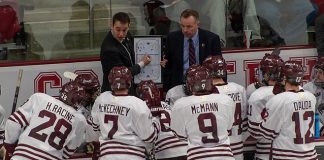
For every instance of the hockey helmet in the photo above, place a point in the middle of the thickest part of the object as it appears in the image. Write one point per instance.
(73, 94)
(91, 85)
(293, 72)
(149, 92)
(270, 67)
(120, 77)
(216, 65)
(199, 82)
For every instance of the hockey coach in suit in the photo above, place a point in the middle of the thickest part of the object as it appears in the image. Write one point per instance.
(188, 46)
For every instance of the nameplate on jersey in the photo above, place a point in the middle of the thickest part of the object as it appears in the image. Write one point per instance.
(114, 109)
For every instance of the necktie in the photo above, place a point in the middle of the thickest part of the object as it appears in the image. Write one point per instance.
(192, 56)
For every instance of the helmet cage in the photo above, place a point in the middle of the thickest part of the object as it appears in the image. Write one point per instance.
(318, 72)
(318, 77)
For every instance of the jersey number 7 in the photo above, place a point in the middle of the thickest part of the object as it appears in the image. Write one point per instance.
(114, 127)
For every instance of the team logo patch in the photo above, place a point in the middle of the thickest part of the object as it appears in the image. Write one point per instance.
(264, 114)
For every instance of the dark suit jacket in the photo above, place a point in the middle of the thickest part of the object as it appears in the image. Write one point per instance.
(114, 54)
(209, 44)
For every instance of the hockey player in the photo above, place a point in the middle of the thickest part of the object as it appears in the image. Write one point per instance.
(290, 118)
(92, 87)
(218, 72)
(45, 127)
(204, 119)
(167, 146)
(2, 124)
(270, 68)
(316, 86)
(178, 91)
(262, 79)
(124, 123)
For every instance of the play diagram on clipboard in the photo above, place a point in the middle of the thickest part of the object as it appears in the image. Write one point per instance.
(150, 45)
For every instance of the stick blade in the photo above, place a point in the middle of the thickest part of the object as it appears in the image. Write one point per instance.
(70, 75)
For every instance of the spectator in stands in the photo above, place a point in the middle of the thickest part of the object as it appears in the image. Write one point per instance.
(319, 29)
(287, 18)
(9, 22)
(319, 26)
(156, 17)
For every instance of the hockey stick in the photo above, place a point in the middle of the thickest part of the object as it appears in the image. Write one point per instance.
(276, 51)
(20, 73)
(69, 75)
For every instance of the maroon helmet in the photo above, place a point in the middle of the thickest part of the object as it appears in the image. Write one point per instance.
(270, 66)
(73, 94)
(293, 72)
(149, 92)
(90, 82)
(198, 81)
(120, 77)
(216, 65)
(185, 87)
(91, 85)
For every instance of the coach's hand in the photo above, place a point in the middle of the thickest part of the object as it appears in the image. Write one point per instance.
(163, 62)
(147, 59)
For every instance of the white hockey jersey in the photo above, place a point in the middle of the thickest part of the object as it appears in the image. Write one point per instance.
(290, 125)
(2, 124)
(45, 128)
(174, 94)
(125, 124)
(256, 113)
(238, 94)
(205, 121)
(250, 89)
(319, 94)
(168, 145)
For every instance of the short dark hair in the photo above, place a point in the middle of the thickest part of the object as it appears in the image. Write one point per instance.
(189, 12)
(122, 17)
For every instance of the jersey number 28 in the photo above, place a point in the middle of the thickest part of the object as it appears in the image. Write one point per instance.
(57, 133)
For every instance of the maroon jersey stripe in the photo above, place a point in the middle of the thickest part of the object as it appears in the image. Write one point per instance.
(122, 153)
(23, 118)
(22, 146)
